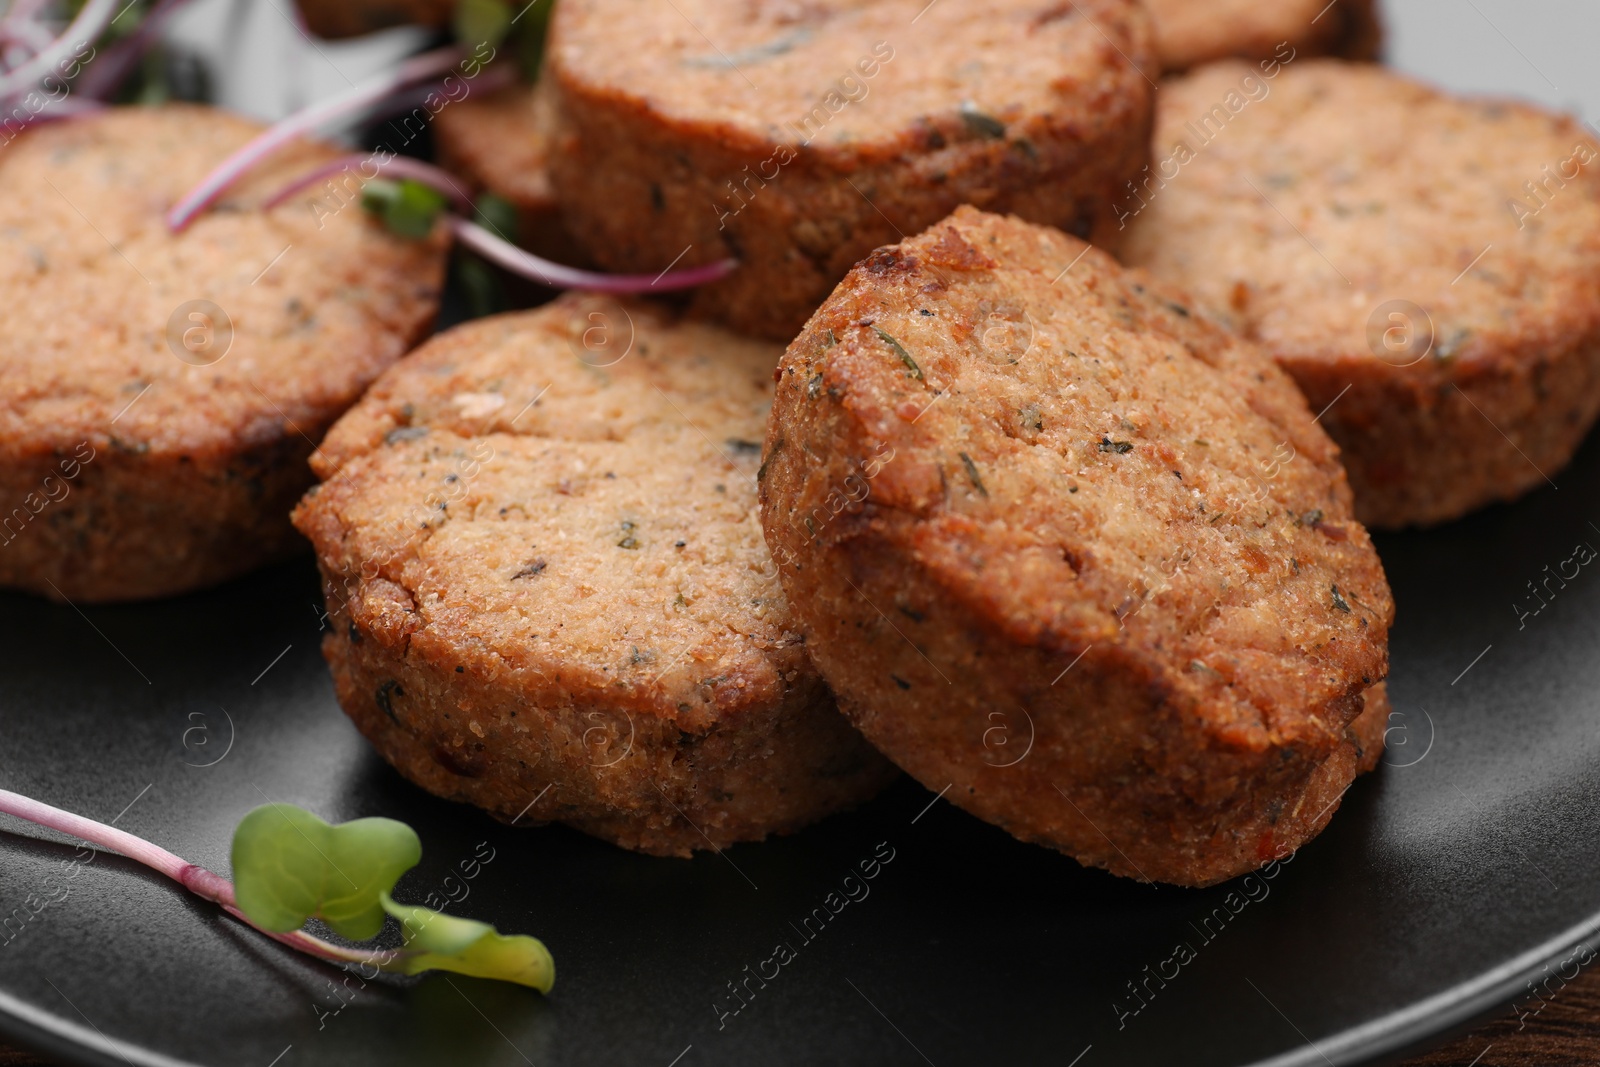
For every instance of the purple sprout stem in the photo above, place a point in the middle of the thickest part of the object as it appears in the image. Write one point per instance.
(23, 11)
(397, 166)
(26, 33)
(20, 25)
(196, 879)
(556, 276)
(92, 20)
(496, 249)
(415, 69)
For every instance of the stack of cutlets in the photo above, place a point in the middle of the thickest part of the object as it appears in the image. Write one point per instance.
(1089, 393)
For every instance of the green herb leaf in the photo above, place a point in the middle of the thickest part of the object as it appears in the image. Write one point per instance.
(496, 214)
(479, 22)
(528, 36)
(972, 472)
(484, 292)
(899, 350)
(408, 208)
(290, 866)
(445, 943)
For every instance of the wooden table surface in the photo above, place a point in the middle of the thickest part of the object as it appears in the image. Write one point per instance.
(1565, 1033)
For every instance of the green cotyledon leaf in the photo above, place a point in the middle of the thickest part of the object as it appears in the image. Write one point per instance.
(407, 207)
(482, 21)
(497, 215)
(438, 942)
(290, 866)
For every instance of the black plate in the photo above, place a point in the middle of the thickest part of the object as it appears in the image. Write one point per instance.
(1450, 880)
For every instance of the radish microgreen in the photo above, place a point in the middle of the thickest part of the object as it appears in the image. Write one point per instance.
(406, 207)
(435, 941)
(291, 867)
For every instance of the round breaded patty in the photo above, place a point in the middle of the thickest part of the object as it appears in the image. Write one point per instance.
(1071, 551)
(1192, 32)
(549, 592)
(797, 137)
(1426, 265)
(352, 18)
(162, 392)
(501, 143)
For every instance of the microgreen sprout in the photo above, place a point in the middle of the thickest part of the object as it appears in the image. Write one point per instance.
(401, 167)
(91, 21)
(480, 283)
(352, 102)
(519, 261)
(410, 205)
(495, 214)
(520, 27)
(482, 20)
(291, 867)
(407, 207)
(105, 42)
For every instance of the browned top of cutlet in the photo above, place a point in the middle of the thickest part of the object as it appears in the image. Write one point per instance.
(319, 300)
(1348, 187)
(1080, 459)
(853, 79)
(565, 501)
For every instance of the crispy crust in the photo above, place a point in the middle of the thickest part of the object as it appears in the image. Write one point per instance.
(1030, 106)
(502, 143)
(1403, 190)
(548, 585)
(1060, 505)
(1370, 728)
(333, 19)
(1192, 32)
(126, 472)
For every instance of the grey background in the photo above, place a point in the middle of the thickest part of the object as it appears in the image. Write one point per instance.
(1543, 50)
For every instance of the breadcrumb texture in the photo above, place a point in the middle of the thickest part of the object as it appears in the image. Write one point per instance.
(1064, 546)
(548, 585)
(352, 18)
(1192, 32)
(501, 143)
(126, 472)
(1350, 188)
(810, 133)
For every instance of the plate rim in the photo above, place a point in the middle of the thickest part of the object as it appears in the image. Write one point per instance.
(1387, 1040)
